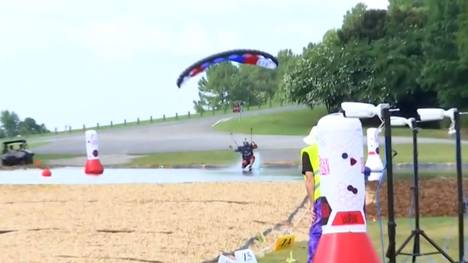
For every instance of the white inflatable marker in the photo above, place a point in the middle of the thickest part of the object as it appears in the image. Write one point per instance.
(374, 162)
(93, 165)
(340, 144)
(342, 188)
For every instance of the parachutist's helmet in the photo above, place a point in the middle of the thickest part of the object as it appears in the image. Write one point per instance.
(246, 143)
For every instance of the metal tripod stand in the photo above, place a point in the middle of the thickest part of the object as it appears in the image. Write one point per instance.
(417, 233)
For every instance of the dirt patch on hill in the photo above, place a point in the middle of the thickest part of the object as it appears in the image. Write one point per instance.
(437, 197)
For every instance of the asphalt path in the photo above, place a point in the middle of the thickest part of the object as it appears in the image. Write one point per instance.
(196, 134)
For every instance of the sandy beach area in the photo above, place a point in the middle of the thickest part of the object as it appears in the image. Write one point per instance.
(139, 223)
(191, 222)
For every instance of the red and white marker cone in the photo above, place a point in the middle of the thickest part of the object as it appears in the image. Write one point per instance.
(351, 247)
(46, 172)
(93, 164)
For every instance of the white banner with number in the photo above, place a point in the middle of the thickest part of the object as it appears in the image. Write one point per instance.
(245, 256)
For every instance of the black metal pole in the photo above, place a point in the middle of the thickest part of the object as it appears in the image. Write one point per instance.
(461, 202)
(416, 245)
(418, 232)
(391, 255)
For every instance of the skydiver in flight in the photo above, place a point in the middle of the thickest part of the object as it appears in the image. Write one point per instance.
(248, 157)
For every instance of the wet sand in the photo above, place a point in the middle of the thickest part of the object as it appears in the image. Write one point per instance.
(138, 223)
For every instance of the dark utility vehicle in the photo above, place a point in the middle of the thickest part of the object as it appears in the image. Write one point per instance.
(16, 153)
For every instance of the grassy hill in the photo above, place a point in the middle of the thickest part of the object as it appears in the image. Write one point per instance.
(296, 122)
(300, 121)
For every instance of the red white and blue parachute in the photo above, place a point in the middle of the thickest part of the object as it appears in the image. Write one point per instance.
(243, 56)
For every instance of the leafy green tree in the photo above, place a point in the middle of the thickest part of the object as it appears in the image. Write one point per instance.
(443, 71)
(287, 60)
(199, 106)
(214, 90)
(413, 55)
(247, 89)
(405, 5)
(351, 23)
(327, 75)
(462, 34)
(10, 122)
(29, 126)
(334, 71)
(13, 126)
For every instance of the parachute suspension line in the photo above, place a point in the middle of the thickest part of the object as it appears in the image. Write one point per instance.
(412, 208)
(234, 140)
(251, 137)
(379, 210)
(377, 202)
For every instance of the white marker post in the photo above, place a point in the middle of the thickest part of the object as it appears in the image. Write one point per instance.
(344, 239)
(374, 163)
(93, 164)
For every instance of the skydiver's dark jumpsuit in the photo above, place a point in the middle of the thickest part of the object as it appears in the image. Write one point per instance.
(248, 158)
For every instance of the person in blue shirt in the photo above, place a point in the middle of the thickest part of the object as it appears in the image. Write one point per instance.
(248, 157)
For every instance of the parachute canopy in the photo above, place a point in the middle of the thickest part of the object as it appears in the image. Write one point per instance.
(243, 56)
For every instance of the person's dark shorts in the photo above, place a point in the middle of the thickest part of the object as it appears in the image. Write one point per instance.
(248, 161)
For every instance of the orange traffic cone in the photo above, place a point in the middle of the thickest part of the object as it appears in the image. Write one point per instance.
(94, 167)
(46, 172)
(350, 247)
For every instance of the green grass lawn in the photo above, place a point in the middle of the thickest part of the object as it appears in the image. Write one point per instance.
(443, 230)
(53, 156)
(432, 133)
(45, 159)
(428, 153)
(296, 122)
(299, 122)
(174, 159)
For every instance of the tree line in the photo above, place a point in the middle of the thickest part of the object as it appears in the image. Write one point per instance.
(414, 54)
(13, 126)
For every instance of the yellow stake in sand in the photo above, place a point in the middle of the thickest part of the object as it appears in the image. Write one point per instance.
(285, 241)
(291, 259)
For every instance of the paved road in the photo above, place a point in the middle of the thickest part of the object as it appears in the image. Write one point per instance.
(172, 136)
(187, 135)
